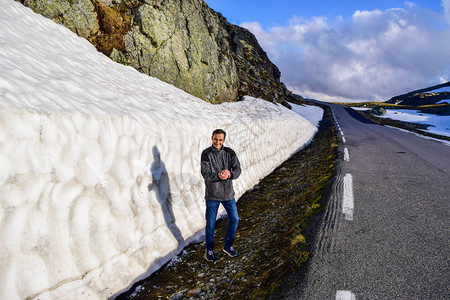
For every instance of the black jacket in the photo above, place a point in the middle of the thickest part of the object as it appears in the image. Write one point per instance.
(213, 162)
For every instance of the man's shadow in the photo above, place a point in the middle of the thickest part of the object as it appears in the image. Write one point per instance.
(161, 186)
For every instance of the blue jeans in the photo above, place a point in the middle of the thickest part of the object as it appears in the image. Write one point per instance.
(211, 216)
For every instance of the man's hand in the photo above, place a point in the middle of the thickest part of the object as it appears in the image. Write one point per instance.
(224, 175)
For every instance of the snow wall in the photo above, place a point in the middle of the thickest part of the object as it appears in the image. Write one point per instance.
(100, 178)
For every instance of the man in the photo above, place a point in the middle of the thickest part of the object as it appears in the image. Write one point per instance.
(219, 166)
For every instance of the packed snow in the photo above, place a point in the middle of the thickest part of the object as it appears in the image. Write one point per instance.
(100, 165)
(313, 113)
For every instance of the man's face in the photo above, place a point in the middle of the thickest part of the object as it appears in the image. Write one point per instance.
(218, 140)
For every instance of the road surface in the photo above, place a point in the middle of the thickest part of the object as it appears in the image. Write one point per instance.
(386, 233)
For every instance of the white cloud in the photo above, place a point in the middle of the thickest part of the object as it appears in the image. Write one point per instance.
(376, 55)
(446, 5)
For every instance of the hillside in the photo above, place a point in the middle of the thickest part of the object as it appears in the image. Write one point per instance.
(182, 42)
(424, 111)
(426, 96)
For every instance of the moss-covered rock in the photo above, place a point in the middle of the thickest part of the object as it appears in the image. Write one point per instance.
(182, 42)
(378, 111)
(77, 15)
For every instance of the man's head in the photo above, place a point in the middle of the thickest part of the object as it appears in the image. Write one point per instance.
(218, 138)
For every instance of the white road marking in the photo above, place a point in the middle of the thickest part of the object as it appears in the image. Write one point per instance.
(343, 139)
(348, 202)
(345, 295)
(346, 155)
(342, 133)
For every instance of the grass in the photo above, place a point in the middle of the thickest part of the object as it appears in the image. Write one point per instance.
(271, 236)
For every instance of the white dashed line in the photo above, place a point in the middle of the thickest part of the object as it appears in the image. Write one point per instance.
(346, 155)
(343, 139)
(342, 133)
(348, 202)
(345, 295)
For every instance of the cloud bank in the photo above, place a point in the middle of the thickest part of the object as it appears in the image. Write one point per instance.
(374, 56)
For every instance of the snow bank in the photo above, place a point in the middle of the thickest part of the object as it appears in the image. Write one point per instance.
(314, 114)
(100, 165)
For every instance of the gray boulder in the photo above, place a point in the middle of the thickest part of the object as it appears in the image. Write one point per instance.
(378, 111)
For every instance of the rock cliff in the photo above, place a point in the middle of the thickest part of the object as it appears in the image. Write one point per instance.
(182, 42)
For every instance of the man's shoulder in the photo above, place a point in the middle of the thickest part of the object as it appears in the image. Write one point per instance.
(207, 150)
(229, 150)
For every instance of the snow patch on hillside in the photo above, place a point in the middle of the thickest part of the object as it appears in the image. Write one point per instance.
(440, 90)
(437, 124)
(100, 165)
(444, 101)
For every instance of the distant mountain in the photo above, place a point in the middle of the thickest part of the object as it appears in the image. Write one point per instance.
(430, 95)
(182, 42)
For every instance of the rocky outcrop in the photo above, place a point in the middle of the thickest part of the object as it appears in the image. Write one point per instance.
(182, 42)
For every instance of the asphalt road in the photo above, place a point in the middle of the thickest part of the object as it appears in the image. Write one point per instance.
(386, 232)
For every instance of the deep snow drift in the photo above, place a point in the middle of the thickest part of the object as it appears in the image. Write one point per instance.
(100, 165)
(312, 113)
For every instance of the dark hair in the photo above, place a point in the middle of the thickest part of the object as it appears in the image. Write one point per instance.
(219, 131)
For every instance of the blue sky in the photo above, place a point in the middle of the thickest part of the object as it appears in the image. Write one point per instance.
(350, 50)
(272, 13)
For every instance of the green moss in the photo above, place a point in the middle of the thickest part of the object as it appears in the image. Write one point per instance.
(298, 241)
(300, 258)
